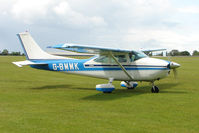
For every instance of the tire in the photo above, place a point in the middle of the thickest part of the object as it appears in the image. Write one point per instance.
(107, 92)
(154, 89)
(130, 88)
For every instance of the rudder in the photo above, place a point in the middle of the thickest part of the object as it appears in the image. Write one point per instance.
(32, 50)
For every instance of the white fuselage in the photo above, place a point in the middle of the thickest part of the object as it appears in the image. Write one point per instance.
(145, 69)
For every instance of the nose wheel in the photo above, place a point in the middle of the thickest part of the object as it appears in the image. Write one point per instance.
(154, 89)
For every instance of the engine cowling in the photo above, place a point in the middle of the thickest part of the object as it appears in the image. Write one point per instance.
(129, 84)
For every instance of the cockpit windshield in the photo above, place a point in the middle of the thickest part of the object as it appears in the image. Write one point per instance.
(135, 55)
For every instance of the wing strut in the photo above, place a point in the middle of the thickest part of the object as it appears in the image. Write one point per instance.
(123, 69)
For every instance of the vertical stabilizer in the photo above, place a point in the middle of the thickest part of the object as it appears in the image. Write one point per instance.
(32, 50)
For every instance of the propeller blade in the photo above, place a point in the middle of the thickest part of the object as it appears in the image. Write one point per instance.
(175, 73)
(174, 66)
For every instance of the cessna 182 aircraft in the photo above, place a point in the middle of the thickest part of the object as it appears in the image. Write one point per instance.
(128, 66)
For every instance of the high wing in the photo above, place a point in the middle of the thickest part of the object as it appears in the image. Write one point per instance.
(147, 52)
(95, 49)
(154, 50)
(88, 49)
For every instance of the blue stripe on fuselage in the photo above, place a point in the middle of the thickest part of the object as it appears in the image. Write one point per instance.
(78, 65)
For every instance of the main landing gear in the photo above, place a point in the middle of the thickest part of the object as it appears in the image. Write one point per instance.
(129, 84)
(106, 88)
(154, 89)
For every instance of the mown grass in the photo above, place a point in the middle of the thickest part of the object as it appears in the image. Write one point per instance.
(37, 101)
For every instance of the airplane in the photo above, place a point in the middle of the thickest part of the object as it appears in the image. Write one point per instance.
(128, 66)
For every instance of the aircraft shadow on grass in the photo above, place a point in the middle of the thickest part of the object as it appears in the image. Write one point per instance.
(118, 93)
(15, 81)
(122, 93)
(62, 86)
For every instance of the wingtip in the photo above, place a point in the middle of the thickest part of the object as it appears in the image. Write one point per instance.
(56, 46)
(23, 33)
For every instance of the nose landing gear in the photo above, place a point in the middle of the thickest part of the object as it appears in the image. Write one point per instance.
(154, 89)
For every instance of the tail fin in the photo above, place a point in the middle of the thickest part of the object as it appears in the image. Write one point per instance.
(32, 50)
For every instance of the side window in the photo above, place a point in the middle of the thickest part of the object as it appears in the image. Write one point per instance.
(131, 57)
(102, 59)
(120, 58)
(105, 59)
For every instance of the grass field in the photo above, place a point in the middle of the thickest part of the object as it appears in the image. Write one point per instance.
(36, 101)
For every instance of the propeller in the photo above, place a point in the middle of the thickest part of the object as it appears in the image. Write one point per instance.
(174, 66)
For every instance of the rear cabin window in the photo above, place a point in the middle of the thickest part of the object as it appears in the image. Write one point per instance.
(107, 59)
(120, 58)
(102, 59)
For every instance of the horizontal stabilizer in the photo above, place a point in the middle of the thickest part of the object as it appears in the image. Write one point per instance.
(26, 62)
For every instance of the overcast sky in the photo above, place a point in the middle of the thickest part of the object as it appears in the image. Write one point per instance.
(129, 24)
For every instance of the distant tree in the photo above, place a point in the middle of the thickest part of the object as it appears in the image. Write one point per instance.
(15, 53)
(195, 53)
(5, 52)
(174, 53)
(185, 53)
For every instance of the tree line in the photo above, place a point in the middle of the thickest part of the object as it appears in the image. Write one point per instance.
(177, 53)
(6, 52)
(183, 53)
(171, 53)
